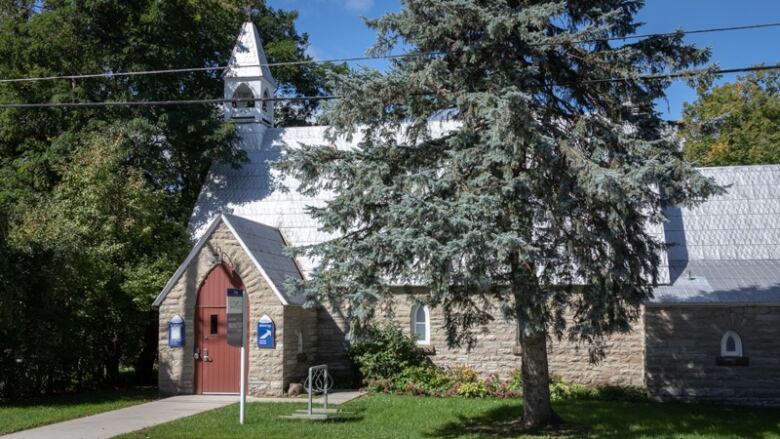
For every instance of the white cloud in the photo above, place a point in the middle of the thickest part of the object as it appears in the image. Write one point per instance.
(359, 6)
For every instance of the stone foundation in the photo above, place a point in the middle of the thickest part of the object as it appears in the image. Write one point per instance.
(683, 343)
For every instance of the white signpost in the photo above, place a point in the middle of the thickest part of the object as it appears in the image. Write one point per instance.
(236, 336)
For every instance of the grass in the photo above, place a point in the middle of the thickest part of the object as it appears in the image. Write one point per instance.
(29, 413)
(383, 416)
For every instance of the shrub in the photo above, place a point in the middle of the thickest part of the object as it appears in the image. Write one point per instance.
(384, 352)
(516, 382)
(390, 362)
(429, 379)
(561, 390)
(472, 390)
(464, 374)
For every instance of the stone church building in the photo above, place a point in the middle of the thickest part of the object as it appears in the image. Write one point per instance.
(711, 333)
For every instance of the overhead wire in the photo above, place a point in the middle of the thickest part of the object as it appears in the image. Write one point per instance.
(649, 77)
(680, 32)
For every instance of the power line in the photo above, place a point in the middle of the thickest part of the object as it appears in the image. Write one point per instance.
(684, 32)
(650, 77)
(164, 103)
(109, 75)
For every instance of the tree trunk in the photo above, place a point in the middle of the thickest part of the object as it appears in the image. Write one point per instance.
(537, 411)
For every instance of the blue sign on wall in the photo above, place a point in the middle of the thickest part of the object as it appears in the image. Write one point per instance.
(176, 332)
(266, 333)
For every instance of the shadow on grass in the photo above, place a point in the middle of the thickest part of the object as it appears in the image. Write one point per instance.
(344, 417)
(613, 420)
(90, 397)
(501, 422)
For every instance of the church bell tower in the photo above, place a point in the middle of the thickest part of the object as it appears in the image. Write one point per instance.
(247, 78)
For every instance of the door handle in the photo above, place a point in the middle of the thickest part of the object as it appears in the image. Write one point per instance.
(206, 355)
(196, 355)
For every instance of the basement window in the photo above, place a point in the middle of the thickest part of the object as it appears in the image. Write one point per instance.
(731, 345)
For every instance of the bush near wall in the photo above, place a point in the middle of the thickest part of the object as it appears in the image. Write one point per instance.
(390, 362)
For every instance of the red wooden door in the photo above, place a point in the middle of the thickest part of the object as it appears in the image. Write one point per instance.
(217, 367)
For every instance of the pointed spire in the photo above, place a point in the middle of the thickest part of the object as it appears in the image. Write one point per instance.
(248, 58)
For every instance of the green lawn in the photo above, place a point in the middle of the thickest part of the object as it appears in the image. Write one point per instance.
(381, 416)
(46, 410)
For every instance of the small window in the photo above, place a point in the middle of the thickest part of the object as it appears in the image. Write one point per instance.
(300, 342)
(731, 345)
(421, 324)
(214, 324)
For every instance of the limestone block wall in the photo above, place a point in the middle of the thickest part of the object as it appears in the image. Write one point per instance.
(299, 322)
(332, 329)
(177, 366)
(683, 343)
(622, 365)
(496, 350)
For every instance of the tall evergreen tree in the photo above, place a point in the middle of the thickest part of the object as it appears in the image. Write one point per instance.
(538, 200)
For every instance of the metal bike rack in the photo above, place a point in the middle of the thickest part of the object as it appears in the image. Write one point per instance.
(317, 381)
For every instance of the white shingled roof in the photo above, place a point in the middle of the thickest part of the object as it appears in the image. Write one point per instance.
(733, 229)
(259, 193)
(727, 250)
(264, 245)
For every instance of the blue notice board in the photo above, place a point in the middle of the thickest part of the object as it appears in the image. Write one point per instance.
(266, 333)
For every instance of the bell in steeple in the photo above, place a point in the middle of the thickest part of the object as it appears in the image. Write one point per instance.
(248, 78)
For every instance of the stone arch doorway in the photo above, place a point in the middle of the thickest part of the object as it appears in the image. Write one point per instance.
(217, 364)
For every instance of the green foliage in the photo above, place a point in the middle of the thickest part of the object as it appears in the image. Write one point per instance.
(385, 352)
(561, 390)
(94, 202)
(736, 123)
(423, 380)
(473, 390)
(465, 374)
(536, 197)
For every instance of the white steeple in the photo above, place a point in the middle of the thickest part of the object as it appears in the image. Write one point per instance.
(247, 77)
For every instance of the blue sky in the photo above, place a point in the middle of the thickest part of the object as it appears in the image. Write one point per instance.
(337, 30)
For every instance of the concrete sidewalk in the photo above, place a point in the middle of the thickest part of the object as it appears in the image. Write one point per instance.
(129, 419)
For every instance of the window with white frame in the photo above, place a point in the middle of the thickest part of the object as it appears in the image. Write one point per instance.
(731, 345)
(421, 324)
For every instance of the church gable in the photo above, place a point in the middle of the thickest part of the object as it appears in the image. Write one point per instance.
(260, 245)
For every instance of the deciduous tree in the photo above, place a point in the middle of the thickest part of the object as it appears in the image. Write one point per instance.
(94, 202)
(735, 123)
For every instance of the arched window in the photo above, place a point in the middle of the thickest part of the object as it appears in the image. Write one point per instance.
(421, 324)
(300, 341)
(242, 93)
(266, 103)
(731, 345)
